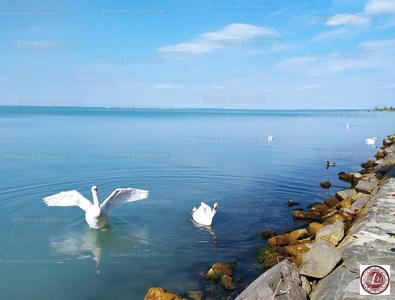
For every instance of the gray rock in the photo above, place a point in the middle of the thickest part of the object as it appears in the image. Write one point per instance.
(384, 169)
(305, 284)
(364, 187)
(264, 286)
(341, 195)
(360, 203)
(334, 285)
(331, 233)
(320, 260)
(357, 196)
(390, 149)
(372, 179)
(387, 142)
(353, 287)
(389, 159)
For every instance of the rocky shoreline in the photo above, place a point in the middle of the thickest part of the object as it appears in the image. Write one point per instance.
(352, 228)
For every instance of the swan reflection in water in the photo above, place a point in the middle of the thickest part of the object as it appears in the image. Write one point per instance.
(207, 228)
(91, 243)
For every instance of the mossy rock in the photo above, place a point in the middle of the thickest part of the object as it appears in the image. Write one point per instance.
(262, 253)
(219, 269)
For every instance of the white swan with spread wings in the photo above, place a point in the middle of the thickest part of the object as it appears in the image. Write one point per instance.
(96, 215)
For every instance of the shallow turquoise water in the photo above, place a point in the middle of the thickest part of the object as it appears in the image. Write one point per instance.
(182, 157)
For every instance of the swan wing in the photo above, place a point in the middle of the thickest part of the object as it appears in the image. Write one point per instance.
(204, 208)
(123, 195)
(70, 198)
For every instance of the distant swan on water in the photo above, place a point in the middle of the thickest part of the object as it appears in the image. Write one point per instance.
(371, 141)
(204, 214)
(96, 215)
(269, 137)
(347, 125)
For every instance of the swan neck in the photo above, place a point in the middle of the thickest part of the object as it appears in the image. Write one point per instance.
(95, 199)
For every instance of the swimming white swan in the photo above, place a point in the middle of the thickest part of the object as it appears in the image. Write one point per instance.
(96, 215)
(204, 214)
(371, 141)
(347, 125)
(269, 137)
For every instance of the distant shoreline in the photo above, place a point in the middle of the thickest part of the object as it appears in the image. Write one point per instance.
(159, 108)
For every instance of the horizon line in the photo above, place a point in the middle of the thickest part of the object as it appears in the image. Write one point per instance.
(164, 108)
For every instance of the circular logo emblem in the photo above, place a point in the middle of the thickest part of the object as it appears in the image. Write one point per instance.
(375, 280)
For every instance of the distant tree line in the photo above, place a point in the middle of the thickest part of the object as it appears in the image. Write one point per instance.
(384, 108)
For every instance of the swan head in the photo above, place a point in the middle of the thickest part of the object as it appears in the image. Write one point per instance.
(374, 138)
(215, 208)
(94, 190)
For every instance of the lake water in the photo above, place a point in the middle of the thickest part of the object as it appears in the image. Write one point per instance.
(182, 157)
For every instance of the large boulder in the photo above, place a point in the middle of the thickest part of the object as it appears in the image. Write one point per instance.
(314, 227)
(368, 164)
(347, 214)
(389, 149)
(320, 260)
(279, 240)
(331, 202)
(284, 276)
(320, 207)
(301, 214)
(344, 194)
(346, 177)
(360, 203)
(364, 187)
(387, 142)
(157, 293)
(333, 233)
(346, 203)
(221, 272)
(290, 238)
(389, 159)
(297, 235)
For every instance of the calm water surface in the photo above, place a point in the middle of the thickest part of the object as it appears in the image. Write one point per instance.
(182, 157)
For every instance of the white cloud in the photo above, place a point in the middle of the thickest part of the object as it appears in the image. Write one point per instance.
(293, 63)
(375, 7)
(166, 86)
(194, 48)
(348, 19)
(378, 45)
(307, 87)
(238, 31)
(330, 34)
(210, 41)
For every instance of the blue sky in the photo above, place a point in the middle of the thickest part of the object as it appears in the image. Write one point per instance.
(242, 54)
